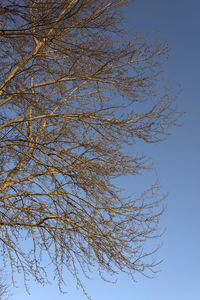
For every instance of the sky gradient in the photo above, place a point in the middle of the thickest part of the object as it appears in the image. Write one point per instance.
(176, 161)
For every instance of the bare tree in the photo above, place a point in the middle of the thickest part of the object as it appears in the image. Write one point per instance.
(74, 92)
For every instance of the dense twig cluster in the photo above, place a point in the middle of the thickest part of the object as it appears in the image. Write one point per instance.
(4, 289)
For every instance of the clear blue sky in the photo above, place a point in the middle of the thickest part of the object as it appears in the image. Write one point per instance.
(177, 162)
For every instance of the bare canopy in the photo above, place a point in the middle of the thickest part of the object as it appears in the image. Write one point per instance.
(74, 91)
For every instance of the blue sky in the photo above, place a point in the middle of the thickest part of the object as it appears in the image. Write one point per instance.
(177, 161)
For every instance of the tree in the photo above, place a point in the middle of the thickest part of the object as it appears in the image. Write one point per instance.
(74, 93)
